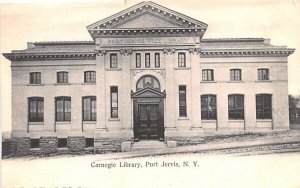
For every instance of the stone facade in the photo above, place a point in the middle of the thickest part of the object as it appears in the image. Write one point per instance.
(178, 57)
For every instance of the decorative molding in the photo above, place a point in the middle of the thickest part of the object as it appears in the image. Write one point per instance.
(100, 52)
(48, 56)
(247, 53)
(161, 72)
(169, 51)
(126, 51)
(135, 72)
(195, 50)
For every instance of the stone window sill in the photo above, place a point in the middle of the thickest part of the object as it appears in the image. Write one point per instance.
(182, 68)
(236, 120)
(208, 81)
(235, 81)
(113, 69)
(89, 83)
(113, 119)
(183, 118)
(263, 81)
(89, 122)
(208, 121)
(264, 120)
(63, 122)
(61, 84)
(36, 123)
(35, 84)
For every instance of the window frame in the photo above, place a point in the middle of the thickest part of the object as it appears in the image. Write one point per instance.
(92, 113)
(64, 99)
(207, 75)
(210, 114)
(234, 76)
(180, 62)
(236, 113)
(260, 74)
(181, 98)
(62, 77)
(35, 78)
(113, 62)
(114, 89)
(147, 60)
(36, 109)
(157, 60)
(90, 77)
(266, 111)
(138, 60)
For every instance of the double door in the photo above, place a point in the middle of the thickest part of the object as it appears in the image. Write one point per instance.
(148, 121)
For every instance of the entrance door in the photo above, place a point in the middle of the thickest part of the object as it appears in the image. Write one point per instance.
(148, 121)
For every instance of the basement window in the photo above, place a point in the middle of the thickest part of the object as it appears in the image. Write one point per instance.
(34, 143)
(89, 142)
(62, 142)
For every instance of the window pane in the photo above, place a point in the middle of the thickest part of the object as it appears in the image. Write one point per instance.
(113, 61)
(157, 60)
(114, 102)
(181, 59)
(147, 60)
(182, 101)
(138, 60)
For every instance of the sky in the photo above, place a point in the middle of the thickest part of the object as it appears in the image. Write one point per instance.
(66, 20)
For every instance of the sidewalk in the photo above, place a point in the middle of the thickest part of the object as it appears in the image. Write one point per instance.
(276, 138)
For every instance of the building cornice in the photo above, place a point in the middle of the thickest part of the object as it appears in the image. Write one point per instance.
(49, 56)
(247, 53)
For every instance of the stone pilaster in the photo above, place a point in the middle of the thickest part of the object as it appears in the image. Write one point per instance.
(101, 97)
(195, 90)
(170, 89)
(126, 89)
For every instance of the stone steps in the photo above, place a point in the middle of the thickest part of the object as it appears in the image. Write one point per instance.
(148, 145)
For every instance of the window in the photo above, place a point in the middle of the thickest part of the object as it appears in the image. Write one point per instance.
(181, 59)
(114, 101)
(263, 106)
(235, 74)
(157, 60)
(36, 109)
(208, 107)
(207, 75)
(113, 61)
(63, 108)
(138, 60)
(263, 74)
(148, 81)
(62, 142)
(89, 107)
(182, 101)
(236, 106)
(35, 78)
(34, 143)
(89, 77)
(62, 77)
(89, 142)
(147, 60)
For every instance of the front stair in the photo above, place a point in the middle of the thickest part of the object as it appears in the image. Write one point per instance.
(148, 145)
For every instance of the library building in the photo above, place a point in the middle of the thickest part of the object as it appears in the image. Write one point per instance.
(147, 78)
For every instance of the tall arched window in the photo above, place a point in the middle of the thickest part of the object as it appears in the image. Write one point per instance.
(148, 81)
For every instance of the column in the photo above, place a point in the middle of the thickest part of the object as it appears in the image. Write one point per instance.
(100, 81)
(196, 72)
(170, 94)
(126, 89)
